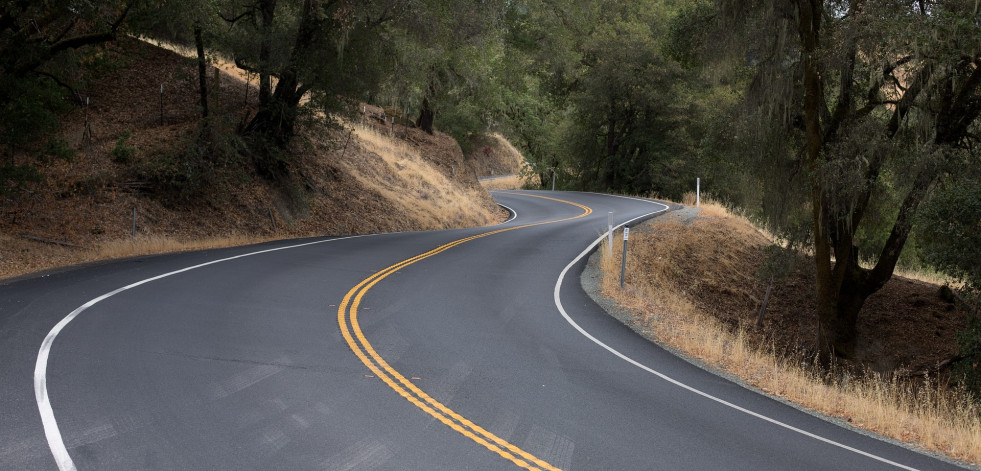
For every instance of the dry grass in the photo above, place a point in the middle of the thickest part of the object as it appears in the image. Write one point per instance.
(713, 208)
(214, 60)
(511, 182)
(938, 420)
(710, 206)
(414, 181)
(150, 245)
(53, 256)
(494, 155)
(928, 276)
(424, 194)
(397, 189)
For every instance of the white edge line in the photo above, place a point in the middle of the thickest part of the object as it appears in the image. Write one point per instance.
(514, 214)
(51, 431)
(558, 304)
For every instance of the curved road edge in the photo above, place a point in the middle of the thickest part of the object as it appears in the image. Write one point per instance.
(589, 281)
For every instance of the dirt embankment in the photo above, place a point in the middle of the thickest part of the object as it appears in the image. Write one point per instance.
(722, 264)
(134, 151)
(493, 155)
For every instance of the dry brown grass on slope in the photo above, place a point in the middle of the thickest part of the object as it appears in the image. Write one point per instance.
(419, 191)
(494, 155)
(510, 182)
(667, 296)
(89, 201)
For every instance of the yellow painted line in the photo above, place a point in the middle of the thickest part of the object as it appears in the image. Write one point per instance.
(347, 319)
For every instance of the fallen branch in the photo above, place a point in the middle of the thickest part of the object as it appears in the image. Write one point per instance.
(51, 241)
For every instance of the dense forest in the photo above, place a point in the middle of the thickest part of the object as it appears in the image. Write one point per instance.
(849, 128)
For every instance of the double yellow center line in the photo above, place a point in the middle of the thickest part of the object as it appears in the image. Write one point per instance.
(347, 319)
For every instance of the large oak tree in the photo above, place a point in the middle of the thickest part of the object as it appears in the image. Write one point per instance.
(885, 97)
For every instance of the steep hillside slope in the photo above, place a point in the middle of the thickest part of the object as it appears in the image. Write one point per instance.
(140, 154)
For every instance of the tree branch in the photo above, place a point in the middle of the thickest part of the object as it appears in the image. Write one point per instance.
(64, 32)
(906, 102)
(61, 84)
(889, 256)
(232, 21)
(845, 100)
(93, 38)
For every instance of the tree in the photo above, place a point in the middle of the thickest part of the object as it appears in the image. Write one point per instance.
(626, 106)
(611, 106)
(318, 47)
(36, 39)
(451, 65)
(34, 33)
(883, 93)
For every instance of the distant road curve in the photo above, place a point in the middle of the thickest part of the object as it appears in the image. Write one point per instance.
(441, 350)
(496, 177)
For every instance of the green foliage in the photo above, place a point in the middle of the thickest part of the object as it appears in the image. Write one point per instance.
(950, 239)
(459, 62)
(967, 370)
(198, 165)
(951, 231)
(14, 178)
(689, 33)
(599, 102)
(29, 110)
(177, 178)
(123, 152)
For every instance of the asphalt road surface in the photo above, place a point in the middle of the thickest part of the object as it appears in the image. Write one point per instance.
(452, 350)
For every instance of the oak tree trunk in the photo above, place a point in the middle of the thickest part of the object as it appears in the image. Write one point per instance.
(202, 70)
(426, 117)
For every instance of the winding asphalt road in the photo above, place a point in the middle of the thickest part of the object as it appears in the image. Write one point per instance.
(465, 349)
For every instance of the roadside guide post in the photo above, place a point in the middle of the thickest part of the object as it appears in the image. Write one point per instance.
(623, 262)
(698, 192)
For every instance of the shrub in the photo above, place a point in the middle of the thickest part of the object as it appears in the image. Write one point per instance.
(123, 152)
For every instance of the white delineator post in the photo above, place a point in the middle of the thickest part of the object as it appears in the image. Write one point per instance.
(698, 192)
(609, 232)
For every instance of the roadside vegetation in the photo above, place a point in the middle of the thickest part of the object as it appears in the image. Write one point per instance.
(696, 282)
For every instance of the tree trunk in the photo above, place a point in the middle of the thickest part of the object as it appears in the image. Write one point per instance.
(426, 117)
(853, 284)
(268, 10)
(275, 121)
(202, 70)
(828, 331)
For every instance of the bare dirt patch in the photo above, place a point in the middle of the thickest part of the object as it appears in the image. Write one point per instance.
(718, 262)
